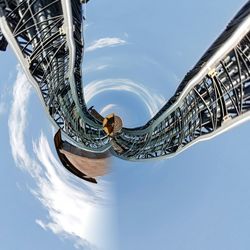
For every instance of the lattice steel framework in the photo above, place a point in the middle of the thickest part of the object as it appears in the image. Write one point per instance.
(46, 36)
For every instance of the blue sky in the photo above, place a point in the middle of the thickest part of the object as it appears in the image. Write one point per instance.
(136, 55)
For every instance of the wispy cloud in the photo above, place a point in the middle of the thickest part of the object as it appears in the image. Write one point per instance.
(93, 67)
(4, 92)
(105, 42)
(17, 121)
(153, 101)
(73, 207)
(107, 108)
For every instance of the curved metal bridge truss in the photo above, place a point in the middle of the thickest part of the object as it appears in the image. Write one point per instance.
(46, 36)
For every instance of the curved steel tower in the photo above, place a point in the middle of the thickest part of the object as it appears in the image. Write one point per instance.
(214, 96)
(46, 37)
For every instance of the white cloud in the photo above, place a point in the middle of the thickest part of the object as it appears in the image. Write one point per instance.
(17, 121)
(153, 101)
(93, 67)
(107, 108)
(4, 92)
(105, 42)
(75, 209)
(72, 209)
(101, 67)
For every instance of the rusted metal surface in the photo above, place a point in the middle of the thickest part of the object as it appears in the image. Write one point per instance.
(84, 164)
(112, 125)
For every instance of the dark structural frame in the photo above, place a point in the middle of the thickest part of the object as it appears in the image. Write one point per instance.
(47, 38)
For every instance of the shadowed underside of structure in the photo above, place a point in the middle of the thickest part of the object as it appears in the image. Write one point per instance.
(84, 164)
(214, 96)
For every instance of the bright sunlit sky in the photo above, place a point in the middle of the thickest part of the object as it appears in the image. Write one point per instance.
(136, 54)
